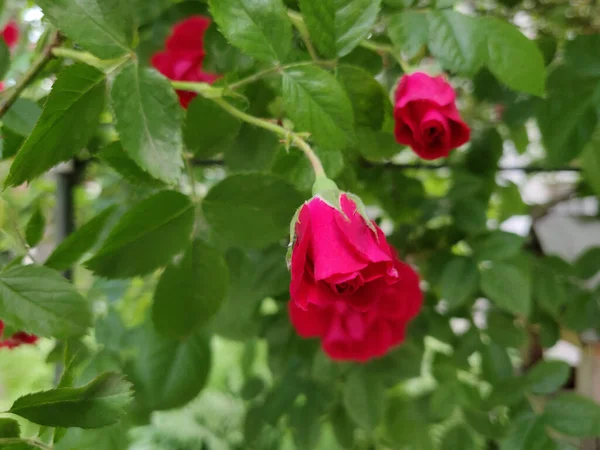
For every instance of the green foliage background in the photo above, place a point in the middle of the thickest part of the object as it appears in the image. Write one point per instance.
(174, 333)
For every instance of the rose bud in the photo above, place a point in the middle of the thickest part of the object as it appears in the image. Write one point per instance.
(348, 286)
(426, 116)
(184, 54)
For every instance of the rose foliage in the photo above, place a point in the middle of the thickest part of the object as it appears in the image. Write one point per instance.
(269, 224)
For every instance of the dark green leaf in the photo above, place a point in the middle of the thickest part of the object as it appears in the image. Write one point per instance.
(501, 329)
(260, 28)
(368, 98)
(100, 403)
(588, 264)
(146, 237)
(495, 363)
(251, 210)
(457, 41)
(512, 58)
(4, 58)
(528, 432)
(39, 300)
(209, 129)
(519, 137)
(497, 245)
(582, 54)
(376, 145)
(9, 428)
(457, 437)
(22, 116)
(317, 103)
(484, 422)
(342, 427)
(508, 286)
(406, 427)
(67, 122)
(573, 415)
(364, 398)
(148, 119)
(550, 287)
(337, 27)
(10, 143)
(254, 149)
(190, 291)
(34, 232)
(78, 243)
(409, 31)
(114, 155)
(104, 27)
(590, 162)
(168, 373)
(547, 377)
(459, 282)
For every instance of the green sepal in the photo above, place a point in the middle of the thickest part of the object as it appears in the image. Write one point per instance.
(288, 255)
(362, 210)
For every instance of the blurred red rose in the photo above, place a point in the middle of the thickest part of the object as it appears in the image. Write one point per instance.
(348, 287)
(11, 34)
(426, 116)
(182, 59)
(16, 339)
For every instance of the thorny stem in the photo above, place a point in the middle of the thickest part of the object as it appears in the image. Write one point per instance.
(298, 22)
(105, 65)
(31, 74)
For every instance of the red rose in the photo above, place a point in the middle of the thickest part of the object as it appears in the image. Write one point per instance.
(348, 287)
(184, 54)
(16, 339)
(11, 34)
(426, 117)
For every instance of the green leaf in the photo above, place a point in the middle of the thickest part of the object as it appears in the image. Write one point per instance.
(104, 27)
(317, 103)
(547, 377)
(253, 150)
(495, 363)
(502, 330)
(10, 144)
(457, 41)
(527, 432)
(508, 286)
(22, 116)
(4, 58)
(588, 264)
(209, 129)
(550, 287)
(573, 415)
(590, 162)
(406, 427)
(146, 237)
(459, 281)
(168, 373)
(39, 300)
(34, 231)
(409, 31)
(99, 403)
(114, 155)
(497, 245)
(376, 145)
(148, 120)
(514, 59)
(260, 28)
(519, 137)
(191, 291)
(342, 427)
(67, 123)
(70, 251)
(582, 55)
(368, 98)
(9, 428)
(457, 437)
(484, 423)
(364, 399)
(338, 26)
(575, 113)
(251, 210)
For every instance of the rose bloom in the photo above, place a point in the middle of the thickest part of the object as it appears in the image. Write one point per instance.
(348, 287)
(16, 339)
(426, 116)
(182, 59)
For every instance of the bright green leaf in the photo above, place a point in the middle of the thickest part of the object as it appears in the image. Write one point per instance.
(573, 415)
(251, 210)
(459, 282)
(508, 286)
(547, 377)
(79, 242)
(497, 245)
(317, 103)
(104, 27)
(513, 58)
(39, 300)
(168, 373)
(190, 291)
(260, 28)
(364, 398)
(409, 31)
(34, 231)
(100, 403)
(67, 123)
(114, 155)
(376, 145)
(457, 41)
(22, 116)
(148, 119)
(338, 26)
(145, 237)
